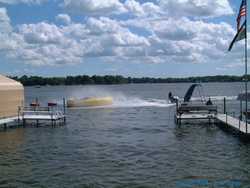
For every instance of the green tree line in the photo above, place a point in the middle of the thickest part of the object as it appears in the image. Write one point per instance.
(109, 79)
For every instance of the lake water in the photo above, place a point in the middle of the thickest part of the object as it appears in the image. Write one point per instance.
(134, 143)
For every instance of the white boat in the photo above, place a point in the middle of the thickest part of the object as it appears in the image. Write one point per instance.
(194, 110)
(90, 102)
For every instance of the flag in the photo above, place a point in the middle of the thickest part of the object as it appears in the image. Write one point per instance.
(242, 13)
(241, 34)
(241, 29)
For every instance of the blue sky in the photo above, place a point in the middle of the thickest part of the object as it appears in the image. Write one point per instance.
(157, 38)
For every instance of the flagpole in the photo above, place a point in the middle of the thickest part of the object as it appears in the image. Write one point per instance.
(246, 71)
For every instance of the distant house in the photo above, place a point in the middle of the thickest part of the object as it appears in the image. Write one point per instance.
(11, 97)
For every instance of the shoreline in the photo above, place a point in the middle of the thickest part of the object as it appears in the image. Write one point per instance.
(120, 80)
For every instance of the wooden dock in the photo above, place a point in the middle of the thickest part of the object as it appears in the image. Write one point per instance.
(39, 114)
(10, 121)
(234, 123)
(194, 116)
(35, 115)
(224, 119)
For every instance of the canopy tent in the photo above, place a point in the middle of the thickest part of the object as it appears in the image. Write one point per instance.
(11, 97)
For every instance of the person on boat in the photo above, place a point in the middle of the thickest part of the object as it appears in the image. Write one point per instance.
(172, 98)
(170, 95)
(209, 102)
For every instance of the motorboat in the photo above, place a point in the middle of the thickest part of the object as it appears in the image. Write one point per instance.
(199, 106)
(187, 109)
(173, 99)
(90, 102)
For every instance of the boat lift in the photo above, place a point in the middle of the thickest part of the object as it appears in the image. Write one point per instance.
(189, 110)
(34, 113)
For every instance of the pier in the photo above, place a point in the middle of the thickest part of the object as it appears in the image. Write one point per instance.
(227, 120)
(35, 114)
(188, 117)
(189, 112)
(42, 114)
(234, 123)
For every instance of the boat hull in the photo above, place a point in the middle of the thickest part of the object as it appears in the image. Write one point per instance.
(90, 102)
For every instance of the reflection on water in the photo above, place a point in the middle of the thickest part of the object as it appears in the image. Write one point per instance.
(204, 182)
(136, 146)
(11, 141)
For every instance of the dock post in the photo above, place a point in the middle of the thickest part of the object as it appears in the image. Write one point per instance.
(176, 106)
(23, 118)
(5, 126)
(241, 111)
(224, 105)
(226, 119)
(36, 104)
(18, 117)
(64, 111)
(246, 126)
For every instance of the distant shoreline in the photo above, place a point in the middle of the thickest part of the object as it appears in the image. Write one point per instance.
(113, 80)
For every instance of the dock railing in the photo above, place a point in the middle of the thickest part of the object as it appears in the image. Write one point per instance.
(53, 112)
(234, 119)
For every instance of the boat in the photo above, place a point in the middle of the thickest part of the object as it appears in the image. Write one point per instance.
(90, 102)
(191, 110)
(196, 106)
(173, 99)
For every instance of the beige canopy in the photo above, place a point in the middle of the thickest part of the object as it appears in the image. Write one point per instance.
(11, 97)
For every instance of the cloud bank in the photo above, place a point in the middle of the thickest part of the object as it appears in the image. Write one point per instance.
(161, 32)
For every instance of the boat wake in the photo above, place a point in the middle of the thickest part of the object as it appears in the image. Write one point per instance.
(122, 101)
(132, 102)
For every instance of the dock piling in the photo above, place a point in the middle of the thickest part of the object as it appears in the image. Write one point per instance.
(226, 119)
(224, 104)
(5, 126)
(64, 110)
(241, 111)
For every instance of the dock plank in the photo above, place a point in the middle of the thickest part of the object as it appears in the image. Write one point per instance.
(43, 117)
(192, 116)
(8, 120)
(234, 123)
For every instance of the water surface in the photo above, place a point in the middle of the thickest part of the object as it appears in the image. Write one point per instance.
(135, 143)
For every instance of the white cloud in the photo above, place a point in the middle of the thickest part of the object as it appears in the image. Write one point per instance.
(5, 26)
(111, 7)
(177, 8)
(103, 25)
(94, 7)
(149, 36)
(41, 33)
(23, 1)
(185, 42)
(135, 8)
(48, 44)
(63, 18)
(198, 8)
